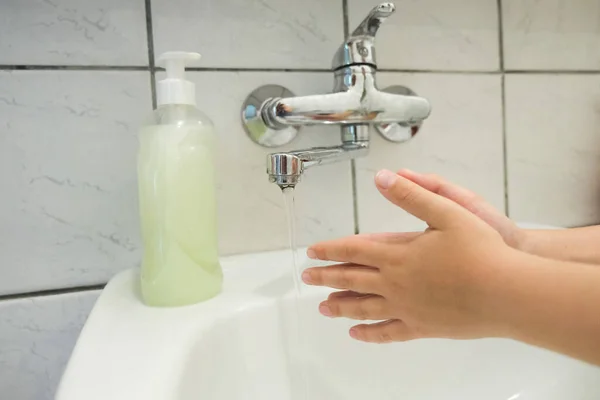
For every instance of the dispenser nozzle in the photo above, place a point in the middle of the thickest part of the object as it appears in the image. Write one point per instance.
(175, 89)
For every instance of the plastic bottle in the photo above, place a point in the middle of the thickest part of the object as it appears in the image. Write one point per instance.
(176, 179)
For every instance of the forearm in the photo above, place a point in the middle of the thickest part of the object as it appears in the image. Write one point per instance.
(577, 244)
(548, 303)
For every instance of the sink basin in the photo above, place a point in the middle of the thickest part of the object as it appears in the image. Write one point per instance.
(245, 344)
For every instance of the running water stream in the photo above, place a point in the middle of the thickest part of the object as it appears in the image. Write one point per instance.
(298, 375)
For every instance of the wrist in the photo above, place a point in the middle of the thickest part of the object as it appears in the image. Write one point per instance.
(525, 239)
(498, 295)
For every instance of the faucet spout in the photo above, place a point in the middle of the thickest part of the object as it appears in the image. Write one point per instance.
(286, 169)
(355, 100)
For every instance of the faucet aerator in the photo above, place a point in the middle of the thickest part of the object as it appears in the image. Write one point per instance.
(284, 169)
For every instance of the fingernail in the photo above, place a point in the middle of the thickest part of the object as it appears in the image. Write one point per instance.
(310, 253)
(306, 278)
(325, 310)
(353, 333)
(385, 178)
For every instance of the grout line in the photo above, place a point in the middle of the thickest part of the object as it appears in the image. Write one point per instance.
(218, 69)
(436, 71)
(150, 40)
(503, 107)
(500, 34)
(504, 143)
(352, 162)
(153, 68)
(345, 18)
(74, 67)
(551, 72)
(498, 72)
(51, 292)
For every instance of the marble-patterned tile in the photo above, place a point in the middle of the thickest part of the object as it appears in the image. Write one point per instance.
(553, 148)
(251, 33)
(551, 34)
(461, 141)
(68, 211)
(37, 336)
(251, 212)
(73, 32)
(435, 34)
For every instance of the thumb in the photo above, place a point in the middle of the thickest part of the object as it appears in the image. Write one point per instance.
(437, 211)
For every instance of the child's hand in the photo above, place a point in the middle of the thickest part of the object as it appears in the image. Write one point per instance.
(511, 233)
(432, 284)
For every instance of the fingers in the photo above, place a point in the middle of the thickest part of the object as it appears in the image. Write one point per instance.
(348, 277)
(437, 211)
(392, 330)
(353, 249)
(438, 185)
(470, 201)
(390, 237)
(457, 194)
(361, 307)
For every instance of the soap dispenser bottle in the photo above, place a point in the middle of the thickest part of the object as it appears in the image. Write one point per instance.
(176, 180)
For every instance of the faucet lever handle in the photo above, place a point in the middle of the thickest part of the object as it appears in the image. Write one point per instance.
(359, 47)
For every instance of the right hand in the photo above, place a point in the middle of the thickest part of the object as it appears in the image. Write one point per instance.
(436, 284)
(510, 232)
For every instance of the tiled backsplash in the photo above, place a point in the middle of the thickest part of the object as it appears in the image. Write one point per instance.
(67, 151)
(251, 34)
(551, 35)
(553, 147)
(75, 83)
(436, 35)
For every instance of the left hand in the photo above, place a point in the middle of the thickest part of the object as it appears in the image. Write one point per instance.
(513, 236)
(432, 284)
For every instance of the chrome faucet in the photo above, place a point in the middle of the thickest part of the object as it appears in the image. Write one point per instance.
(272, 115)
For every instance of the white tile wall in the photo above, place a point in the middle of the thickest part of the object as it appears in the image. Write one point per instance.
(435, 34)
(553, 137)
(551, 34)
(68, 212)
(37, 336)
(67, 135)
(73, 32)
(251, 33)
(461, 140)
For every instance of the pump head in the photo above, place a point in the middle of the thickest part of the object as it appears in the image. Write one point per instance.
(175, 89)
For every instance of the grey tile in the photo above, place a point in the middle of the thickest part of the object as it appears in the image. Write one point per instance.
(554, 148)
(73, 32)
(37, 336)
(551, 34)
(461, 141)
(251, 33)
(68, 213)
(435, 34)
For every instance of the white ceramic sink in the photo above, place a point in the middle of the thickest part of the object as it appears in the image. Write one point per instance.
(237, 346)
